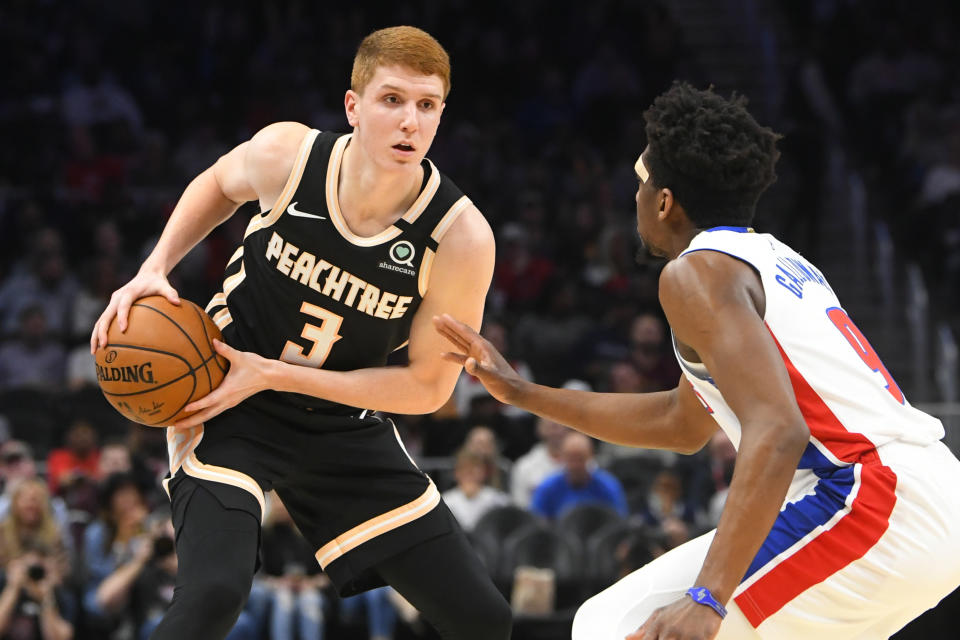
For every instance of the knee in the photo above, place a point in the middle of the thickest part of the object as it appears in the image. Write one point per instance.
(220, 598)
(493, 620)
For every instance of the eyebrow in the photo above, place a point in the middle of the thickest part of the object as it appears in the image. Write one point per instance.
(394, 88)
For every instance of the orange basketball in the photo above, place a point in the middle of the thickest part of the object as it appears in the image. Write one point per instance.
(164, 361)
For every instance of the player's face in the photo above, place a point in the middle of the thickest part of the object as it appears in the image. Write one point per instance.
(396, 116)
(647, 208)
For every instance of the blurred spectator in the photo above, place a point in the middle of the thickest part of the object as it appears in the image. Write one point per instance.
(33, 359)
(472, 497)
(41, 280)
(651, 355)
(292, 578)
(521, 274)
(33, 603)
(381, 617)
(30, 525)
(580, 481)
(17, 466)
(483, 442)
(543, 459)
(117, 548)
(93, 97)
(78, 459)
(665, 500)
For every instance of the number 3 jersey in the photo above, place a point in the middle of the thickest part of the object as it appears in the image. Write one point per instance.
(305, 289)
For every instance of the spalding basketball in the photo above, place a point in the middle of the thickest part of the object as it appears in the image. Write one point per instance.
(163, 361)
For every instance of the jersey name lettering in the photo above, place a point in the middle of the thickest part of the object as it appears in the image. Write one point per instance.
(334, 282)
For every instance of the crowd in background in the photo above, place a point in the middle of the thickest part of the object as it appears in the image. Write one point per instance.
(107, 110)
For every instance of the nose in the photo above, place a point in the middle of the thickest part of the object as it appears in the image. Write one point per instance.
(409, 123)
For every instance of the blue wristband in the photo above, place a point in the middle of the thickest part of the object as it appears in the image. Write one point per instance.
(702, 595)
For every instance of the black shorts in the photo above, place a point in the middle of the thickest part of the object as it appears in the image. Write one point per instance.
(347, 481)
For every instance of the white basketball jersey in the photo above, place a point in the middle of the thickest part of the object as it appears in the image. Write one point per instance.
(849, 400)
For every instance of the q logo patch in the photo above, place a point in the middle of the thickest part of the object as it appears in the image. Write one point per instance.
(402, 252)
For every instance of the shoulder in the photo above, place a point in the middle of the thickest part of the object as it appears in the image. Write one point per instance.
(469, 232)
(467, 249)
(606, 478)
(706, 279)
(272, 152)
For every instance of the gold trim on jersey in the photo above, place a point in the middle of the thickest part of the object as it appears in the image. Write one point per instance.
(222, 318)
(333, 200)
(449, 217)
(264, 220)
(218, 300)
(236, 254)
(378, 526)
(234, 281)
(426, 266)
(182, 444)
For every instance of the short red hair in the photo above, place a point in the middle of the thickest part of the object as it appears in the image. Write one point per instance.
(405, 46)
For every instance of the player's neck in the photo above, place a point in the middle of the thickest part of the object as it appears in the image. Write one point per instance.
(371, 198)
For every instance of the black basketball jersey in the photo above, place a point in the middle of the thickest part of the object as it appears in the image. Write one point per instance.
(304, 289)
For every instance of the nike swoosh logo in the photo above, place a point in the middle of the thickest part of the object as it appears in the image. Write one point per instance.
(292, 210)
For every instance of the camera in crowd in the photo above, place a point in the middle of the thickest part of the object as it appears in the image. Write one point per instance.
(36, 572)
(162, 547)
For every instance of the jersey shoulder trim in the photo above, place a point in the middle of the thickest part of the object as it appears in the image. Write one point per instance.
(264, 220)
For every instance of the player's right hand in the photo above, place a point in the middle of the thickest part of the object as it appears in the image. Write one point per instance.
(479, 358)
(145, 283)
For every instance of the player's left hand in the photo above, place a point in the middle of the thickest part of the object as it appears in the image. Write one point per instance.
(681, 620)
(247, 376)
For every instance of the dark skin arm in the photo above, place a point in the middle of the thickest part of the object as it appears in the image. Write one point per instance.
(673, 420)
(715, 305)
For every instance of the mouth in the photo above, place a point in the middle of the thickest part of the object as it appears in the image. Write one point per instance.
(404, 147)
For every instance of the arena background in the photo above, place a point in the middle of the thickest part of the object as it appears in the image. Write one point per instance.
(108, 109)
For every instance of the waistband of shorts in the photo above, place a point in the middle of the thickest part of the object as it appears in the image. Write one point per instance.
(276, 406)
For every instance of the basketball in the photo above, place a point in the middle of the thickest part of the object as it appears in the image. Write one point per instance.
(164, 361)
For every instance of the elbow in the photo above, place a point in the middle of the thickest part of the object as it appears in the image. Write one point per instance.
(796, 439)
(788, 440)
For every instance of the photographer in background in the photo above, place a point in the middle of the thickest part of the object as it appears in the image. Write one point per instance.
(33, 605)
(116, 549)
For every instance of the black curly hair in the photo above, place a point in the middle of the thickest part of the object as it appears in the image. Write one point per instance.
(711, 153)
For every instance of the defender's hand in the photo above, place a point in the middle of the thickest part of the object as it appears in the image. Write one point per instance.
(681, 620)
(479, 358)
(145, 283)
(247, 376)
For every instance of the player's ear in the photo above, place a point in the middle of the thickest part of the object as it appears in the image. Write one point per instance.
(351, 103)
(665, 203)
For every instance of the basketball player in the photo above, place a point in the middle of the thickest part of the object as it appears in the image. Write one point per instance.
(361, 241)
(842, 518)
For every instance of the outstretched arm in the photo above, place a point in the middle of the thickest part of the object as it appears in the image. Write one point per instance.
(673, 420)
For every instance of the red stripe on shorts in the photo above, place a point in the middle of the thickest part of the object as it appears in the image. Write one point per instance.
(852, 536)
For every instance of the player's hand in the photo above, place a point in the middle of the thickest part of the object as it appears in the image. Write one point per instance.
(681, 620)
(145, 283)
(247, 376)
(479, 358)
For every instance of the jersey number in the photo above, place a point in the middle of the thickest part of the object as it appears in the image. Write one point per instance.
(845, 325)
(322, 336)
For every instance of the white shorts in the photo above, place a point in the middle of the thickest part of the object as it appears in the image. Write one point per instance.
(909, 569)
